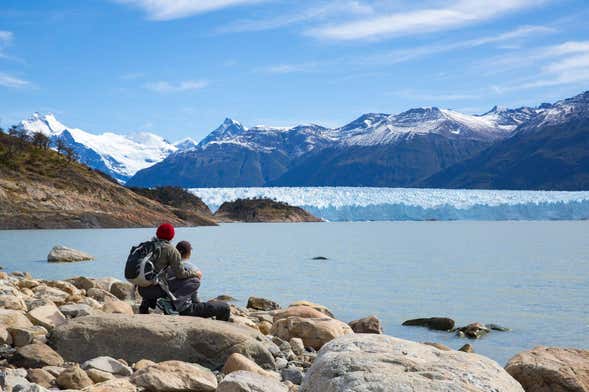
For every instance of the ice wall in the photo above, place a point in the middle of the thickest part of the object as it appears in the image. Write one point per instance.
(362, 204)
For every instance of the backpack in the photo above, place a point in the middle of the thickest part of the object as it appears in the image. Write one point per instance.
(140, 266)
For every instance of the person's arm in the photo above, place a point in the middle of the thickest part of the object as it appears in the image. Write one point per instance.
(176, 265)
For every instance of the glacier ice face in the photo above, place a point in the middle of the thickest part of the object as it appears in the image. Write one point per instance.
(365, 204)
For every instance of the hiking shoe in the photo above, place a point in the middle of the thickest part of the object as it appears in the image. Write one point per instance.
(165, 305)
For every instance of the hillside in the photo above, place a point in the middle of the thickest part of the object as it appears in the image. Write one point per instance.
(40, 188)
(262, 210)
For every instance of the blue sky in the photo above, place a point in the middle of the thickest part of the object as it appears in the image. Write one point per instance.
(179, 67)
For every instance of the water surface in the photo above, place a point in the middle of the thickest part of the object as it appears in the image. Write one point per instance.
(530, 276)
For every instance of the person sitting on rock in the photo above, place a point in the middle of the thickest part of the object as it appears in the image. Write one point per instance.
(169, 259)
(186, 291)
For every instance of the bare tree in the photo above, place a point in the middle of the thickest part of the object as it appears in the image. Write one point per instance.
(40, 140)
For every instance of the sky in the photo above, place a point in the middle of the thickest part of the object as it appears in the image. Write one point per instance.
(178, 68)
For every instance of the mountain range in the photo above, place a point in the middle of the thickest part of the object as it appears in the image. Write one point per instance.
(544, 147)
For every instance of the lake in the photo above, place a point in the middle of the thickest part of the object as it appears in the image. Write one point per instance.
(532, 277)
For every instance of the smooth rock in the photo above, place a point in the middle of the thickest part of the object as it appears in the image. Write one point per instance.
(100, 295)
(237, 362)
(116, 385)
(73, 378)
(57, 296)
(369, 324)
(47, 316)
(292, 374)
(14, 319)
(106, 283)
(436, 323)
(76, 310)
(124, 291)
(242, 381)
(12, 302)
(41, 377)
(64, 286)
(99, 376)
(175, 376)
(298, 311)
(82, 282)
(261, 304)
(297, 345)
(63, 254)
(5, 336)
(551, 369)
(108, 364)
(467, 348)
(25, 336)
(54, 370)
(36, 355)
(371, 363)
(321, 308)
(314, 332)
(191, 339)
(143, 364)
(117, 306)
(265, 327)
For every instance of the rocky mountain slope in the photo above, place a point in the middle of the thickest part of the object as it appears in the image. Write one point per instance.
(550, 151)
(43, 189)
(375, 149)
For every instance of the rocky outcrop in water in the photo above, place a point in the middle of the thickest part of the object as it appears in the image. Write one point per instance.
(262, 210)
(63, 254)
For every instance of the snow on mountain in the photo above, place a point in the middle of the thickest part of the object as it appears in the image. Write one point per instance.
(560, 112)
(186, 144)
(120, 156)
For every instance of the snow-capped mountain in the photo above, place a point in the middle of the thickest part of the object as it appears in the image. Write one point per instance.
(120, 156)
(427, 138)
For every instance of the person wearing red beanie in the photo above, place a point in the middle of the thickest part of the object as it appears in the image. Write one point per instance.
(165, 231)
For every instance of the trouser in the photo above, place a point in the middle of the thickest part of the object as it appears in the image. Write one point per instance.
(218, 309)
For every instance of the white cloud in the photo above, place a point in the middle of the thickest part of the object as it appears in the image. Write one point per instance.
(176, 9)
(168, 87)
(289, 68)
(5, 38)
(13, 82)
(428, 20)
(330, 9)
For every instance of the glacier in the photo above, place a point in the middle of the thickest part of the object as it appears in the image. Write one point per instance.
(373, 204)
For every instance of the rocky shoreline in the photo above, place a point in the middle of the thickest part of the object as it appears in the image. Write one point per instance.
(83, 334)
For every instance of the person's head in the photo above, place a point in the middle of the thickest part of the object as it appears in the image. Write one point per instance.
(185, 249)
(165, 231)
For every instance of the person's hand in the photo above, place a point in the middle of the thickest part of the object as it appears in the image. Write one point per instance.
(199, 274)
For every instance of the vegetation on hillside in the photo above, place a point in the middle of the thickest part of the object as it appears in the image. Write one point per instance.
(262, 210)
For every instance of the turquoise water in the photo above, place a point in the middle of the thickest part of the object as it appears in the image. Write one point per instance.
(530, 276)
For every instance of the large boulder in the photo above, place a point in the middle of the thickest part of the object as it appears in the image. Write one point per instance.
(258, 303)
(321, 308)
(243, 381)
(298, 311)
(63, 254)
(158, 338)
(554, 369)
(175, 376)
(437, 323)
(367, 363)
(314, 332)
(116, 385)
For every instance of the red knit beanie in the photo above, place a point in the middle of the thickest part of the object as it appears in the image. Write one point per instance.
(165, 232)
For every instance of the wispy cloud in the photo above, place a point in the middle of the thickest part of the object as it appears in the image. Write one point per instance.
(289, 68)
(555, 65)
(177, 9)
(5, 38)
(427, 20)
(168, 87)
(132, 75)
(322, 11)
(12, 81)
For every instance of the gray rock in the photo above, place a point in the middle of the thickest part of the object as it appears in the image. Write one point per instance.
(190, 339)
(63, 254)
(370, 363)
(109, 365)
(261, 304)
(124, 291)
(29, 388)
(437, 323)
(76, 310)
(242, 381)
(281, 363)
(366, 325)
(11, 378)
(292, 374)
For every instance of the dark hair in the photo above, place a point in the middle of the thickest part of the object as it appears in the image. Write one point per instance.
(184, 248)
